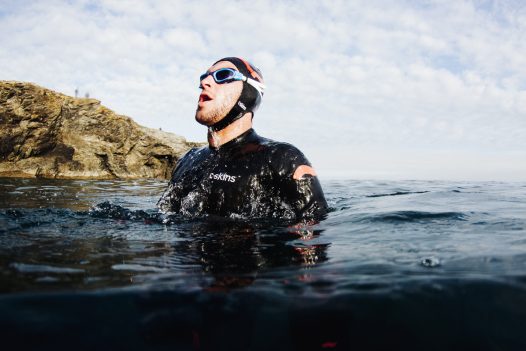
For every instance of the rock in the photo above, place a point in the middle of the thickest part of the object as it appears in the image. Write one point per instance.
(47, 134)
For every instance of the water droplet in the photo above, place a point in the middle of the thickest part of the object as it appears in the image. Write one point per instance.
(430, 262)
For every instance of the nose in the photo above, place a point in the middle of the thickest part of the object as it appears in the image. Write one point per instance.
(207, 81)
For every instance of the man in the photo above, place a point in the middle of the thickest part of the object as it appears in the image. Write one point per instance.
(240, 174)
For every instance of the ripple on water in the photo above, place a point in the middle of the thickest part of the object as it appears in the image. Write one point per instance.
(414, 216)
(410, 226)
(136, 268)
(39, 268)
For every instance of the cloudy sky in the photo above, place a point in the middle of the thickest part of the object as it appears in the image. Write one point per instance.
(367, 89)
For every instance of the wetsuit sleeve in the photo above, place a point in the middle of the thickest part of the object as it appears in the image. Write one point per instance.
(304, 195)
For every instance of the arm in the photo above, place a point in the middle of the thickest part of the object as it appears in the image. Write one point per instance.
(300, 186)
(170, 201)
(306, 197)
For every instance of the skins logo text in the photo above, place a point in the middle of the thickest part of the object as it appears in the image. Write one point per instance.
(222, 176)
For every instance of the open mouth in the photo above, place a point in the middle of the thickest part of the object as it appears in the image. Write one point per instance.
(204, 97)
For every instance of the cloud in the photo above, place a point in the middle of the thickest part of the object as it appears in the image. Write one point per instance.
(342, 76)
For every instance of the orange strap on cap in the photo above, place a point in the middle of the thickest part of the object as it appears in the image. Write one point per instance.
(303, 170)
(253, 73)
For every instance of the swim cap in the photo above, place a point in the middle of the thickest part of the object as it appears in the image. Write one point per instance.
(250, 97)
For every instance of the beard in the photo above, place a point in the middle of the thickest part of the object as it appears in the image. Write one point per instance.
(214, 114)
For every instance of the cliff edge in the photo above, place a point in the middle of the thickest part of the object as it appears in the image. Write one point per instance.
(47, 134)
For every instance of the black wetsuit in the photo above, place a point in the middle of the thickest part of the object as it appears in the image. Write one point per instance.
(248, 177)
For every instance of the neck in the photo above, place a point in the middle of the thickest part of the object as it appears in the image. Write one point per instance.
(232, 131)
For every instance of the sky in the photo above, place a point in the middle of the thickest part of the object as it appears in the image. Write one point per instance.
(366, 89)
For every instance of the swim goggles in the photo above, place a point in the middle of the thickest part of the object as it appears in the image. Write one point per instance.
(227, 75)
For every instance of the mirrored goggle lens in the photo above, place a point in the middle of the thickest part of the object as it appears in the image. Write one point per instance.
(223, 74)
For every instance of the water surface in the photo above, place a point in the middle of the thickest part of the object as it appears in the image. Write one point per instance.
(407, 264)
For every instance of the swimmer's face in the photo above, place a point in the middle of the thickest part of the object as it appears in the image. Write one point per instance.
(217, 99)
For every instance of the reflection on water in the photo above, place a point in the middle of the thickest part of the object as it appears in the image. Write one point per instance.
(77, 195)
(49, 241)
(216, 255)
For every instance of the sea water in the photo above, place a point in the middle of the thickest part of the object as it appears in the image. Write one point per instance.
(429, 265)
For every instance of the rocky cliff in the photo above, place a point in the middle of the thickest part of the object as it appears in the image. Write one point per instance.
(47, 134)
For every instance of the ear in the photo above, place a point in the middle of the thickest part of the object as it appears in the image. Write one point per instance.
(302, 171)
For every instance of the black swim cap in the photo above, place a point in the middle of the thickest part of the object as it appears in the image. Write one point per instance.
(250, 97)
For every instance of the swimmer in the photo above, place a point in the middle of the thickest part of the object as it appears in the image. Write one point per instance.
(240, 174)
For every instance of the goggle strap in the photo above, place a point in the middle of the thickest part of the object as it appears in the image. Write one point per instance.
(259, 86)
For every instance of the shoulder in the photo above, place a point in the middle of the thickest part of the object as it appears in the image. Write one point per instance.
(288, 150)
(189, 159)
(285, 158)
(284, 151)
(279, 148)
(194, 152)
